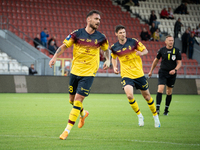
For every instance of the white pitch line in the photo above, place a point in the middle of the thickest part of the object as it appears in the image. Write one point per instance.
(141, 141)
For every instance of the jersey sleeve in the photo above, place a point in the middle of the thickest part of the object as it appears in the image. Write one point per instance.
(69, 41)
(158, 54)
(114, 56)
(105, 44)
(178, 57)
(140, 46)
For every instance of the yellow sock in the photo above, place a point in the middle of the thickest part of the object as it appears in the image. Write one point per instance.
(74, 114)
(70, 102)
(82, 112)
(68, 128)
(152, 106)
(134, 106)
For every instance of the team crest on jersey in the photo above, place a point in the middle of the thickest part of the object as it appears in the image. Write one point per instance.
(68, 37)
(173, 57)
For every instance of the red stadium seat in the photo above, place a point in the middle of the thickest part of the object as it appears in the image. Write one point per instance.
(191, 70)
(181, 71)
(62, 17)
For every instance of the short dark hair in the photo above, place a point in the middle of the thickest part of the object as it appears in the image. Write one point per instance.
(168, 36)
(93, 12)
(119, 27)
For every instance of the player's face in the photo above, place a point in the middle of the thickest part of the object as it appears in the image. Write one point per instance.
(94, 21)
(169, 42)
(121, 34)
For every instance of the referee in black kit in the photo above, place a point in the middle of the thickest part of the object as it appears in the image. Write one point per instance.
(171, 62)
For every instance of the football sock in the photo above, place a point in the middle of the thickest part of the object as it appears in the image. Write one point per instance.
(74, 115)
(82, 112)
(152, 106)
(70, 102)
(167, 102)
(68, 128)
(155, 117)
(140, 115)
(134, 106)
(158, 100)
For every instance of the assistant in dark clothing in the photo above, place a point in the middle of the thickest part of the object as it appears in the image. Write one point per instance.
(153, 29)
(182, 9)
(177, 27)
(53, 39)
(191, 42)
(185, 38)
(145, 36)
(52, 48)
(37, 41)
(32, 70)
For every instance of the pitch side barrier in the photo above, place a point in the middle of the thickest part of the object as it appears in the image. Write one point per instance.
(104, 85)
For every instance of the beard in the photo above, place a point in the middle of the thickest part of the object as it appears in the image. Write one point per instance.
(93, 27)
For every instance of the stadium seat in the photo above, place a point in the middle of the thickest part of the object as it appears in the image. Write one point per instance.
(32, 16)
(191, 70)
(181, 71)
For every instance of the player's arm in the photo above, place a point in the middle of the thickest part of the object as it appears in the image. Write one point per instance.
(59, 51)
(141, 49)
(114, 63)
(106, 64)
(154, 64)
(142, 53)
(178, 66)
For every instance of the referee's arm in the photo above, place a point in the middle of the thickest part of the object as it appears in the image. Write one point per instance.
(178, 66)
(154, 64)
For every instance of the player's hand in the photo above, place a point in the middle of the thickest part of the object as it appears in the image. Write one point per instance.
(106, 64)
(52, 62)
(116, 71)
(172, 72)
(150, 74)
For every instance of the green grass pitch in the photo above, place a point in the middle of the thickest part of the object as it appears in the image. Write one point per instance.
(35, 121)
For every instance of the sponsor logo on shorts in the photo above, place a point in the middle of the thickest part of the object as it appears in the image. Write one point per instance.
(86, 93)
(82, 89)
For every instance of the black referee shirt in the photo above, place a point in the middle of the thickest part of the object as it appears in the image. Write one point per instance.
(169, 57)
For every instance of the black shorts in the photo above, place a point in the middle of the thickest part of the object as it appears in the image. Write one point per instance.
(166, 79)
(140, 83)
(80, 85)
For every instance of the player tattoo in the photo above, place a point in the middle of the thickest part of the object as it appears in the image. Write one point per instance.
(59, 50)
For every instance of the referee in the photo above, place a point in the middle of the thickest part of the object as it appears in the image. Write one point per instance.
(171, 62)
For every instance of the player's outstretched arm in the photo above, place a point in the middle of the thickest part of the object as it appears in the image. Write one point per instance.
(114, 63)
(106, 64)
(154, 64)
(59, 51)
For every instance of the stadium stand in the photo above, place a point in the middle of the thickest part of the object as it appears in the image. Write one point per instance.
(190, 67)
(62, 17)
(10, 65)
(167, 25)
